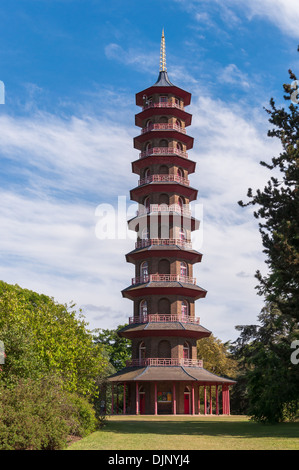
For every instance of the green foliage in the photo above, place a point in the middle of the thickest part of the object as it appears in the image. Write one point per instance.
(216, 356)
(40, 415)
(271, 379)
(42, 336)
(117, 348)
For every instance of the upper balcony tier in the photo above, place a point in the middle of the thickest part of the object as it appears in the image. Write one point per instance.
(161, 151)
(163, 109)
(163, 86)
(138, 193)
(164, 178)
(163, 133)
(168, 156)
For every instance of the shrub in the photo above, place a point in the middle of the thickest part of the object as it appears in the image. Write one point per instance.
(40, 415)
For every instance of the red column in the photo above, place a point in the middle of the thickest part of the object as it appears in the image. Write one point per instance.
(137, 398)
(199, 400)
(228, 401)
(225, 400)
(124, 407)
(117, 408)
(193, 411)
(174, 399)
(156, 399)
(217, 401)
(112, 399)
(211, 404)
(205, 399)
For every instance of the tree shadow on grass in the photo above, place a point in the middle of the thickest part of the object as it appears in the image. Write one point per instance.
(209, 428)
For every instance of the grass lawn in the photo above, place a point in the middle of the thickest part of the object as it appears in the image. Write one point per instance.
(190, 433)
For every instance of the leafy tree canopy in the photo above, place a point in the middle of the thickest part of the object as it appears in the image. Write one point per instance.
(117, 348)
(41, 336)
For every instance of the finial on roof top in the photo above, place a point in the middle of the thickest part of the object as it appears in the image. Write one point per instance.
(162, 54)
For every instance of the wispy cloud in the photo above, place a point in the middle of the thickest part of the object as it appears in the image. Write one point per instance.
(283, 14)
(233, 75)
(143, 61)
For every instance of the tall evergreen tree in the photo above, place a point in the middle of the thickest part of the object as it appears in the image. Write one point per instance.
(266, 350)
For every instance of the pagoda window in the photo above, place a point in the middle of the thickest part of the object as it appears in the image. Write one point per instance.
(182, 235)
(181, 202)
(164, 306)
(179, 146)
(148, 146)
(180, 172)
(146, 203)
(186, 350)
(164, 199)
(164, 349)
(163, 99)
(163, 143)
(164, 266)
(163, 170)
(148, 123)
(146, 173)
(178, 123)
(183, 269)
(145, 234)
(144, 270)
(163, 120)
(143, 309)
(142, 350)
(184, 308)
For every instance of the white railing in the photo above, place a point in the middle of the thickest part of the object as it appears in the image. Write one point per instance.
(163, 241)
(163, 151)
(163, 208)
(163, 105)
(163, 278)
(163, 127)
(160, 362)
(164, 318)
(164, 178)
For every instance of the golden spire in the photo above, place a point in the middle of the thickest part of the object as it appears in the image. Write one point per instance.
(162, 54)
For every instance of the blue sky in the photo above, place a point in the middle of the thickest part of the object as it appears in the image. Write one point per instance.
(71, 69)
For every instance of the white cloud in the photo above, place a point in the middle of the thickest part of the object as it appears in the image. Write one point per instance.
(233, 75)
(69, 155)
(283, 14)
(144, 61)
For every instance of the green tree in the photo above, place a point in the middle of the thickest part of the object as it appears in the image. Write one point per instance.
(265, 349)
(41, 336)
(117, 348)
(216, 356)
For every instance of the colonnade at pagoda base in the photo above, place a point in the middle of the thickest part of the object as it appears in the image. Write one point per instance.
(169, 398)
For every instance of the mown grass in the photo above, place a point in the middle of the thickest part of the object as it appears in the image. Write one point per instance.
(190, 433)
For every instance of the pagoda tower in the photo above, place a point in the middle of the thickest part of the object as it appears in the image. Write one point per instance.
(164, 375)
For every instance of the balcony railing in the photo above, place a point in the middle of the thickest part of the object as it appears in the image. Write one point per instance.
(163, 127)
(163, 208)
(163, 151)
(163, 242)
(163, 278)
(163, 105)
(164, 318)
(160, 362)
(164, 178)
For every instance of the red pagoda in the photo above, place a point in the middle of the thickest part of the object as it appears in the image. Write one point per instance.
(164, 375)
